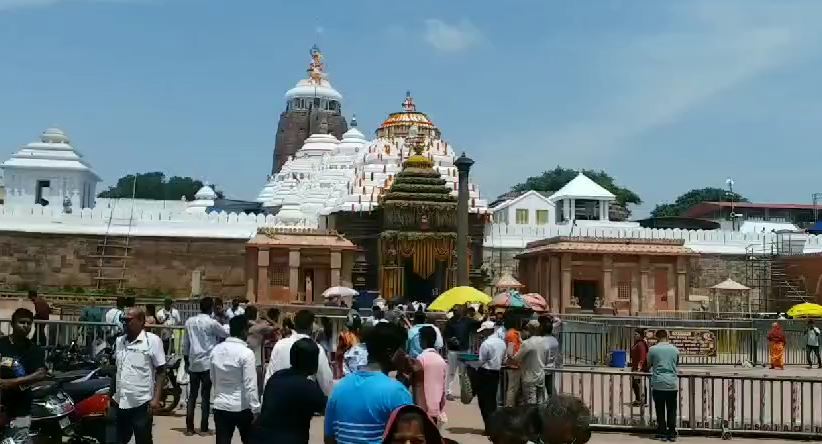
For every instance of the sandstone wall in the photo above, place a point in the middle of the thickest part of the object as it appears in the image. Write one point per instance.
(156, 265)
(295, 126)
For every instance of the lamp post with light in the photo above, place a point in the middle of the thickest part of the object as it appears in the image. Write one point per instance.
(730, 183)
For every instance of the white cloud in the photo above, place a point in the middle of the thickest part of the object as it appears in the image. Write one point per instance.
(451, 37)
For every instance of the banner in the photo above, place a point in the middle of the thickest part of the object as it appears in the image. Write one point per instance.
(689, 342)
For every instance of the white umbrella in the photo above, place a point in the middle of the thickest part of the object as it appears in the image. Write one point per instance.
(342, 292)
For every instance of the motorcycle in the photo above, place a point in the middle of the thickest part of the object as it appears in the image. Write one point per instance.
(91, 419)
(50, 412)
(172, 390)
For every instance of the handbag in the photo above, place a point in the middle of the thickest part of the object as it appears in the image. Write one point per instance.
(466, 388)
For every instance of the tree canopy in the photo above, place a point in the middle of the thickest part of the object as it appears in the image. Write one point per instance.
(694, 197)
(555, 179)
(153, 185)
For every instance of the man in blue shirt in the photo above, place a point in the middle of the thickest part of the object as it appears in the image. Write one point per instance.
(362, 402)
(664, 361)
(420, 321)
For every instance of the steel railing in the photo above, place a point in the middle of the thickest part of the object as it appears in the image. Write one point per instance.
(707, 403)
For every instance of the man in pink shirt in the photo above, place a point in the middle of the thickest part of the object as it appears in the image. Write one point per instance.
(434, 369)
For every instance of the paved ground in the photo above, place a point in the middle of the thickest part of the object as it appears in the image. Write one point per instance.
(604, 393)
(464, 427)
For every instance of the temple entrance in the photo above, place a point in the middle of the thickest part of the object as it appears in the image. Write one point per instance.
(422, 289)
(586, 294)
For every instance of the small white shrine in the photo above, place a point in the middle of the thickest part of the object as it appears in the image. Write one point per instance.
(49, 172)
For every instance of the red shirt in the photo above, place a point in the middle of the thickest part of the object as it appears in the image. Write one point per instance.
(639, 356)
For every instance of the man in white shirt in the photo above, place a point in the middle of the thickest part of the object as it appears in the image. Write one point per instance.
(281, 354)
(235, 310)
(202, 333)
(168, 316)
(140, 379)
(491, 355)
(233, 371)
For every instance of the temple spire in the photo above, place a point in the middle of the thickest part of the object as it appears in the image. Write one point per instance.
(408, 103)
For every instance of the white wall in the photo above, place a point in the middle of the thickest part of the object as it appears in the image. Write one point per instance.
(21, 187)
(530, 203)
(714, 241)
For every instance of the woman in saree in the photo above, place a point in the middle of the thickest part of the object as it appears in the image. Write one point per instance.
(776, 340)
(347, 339)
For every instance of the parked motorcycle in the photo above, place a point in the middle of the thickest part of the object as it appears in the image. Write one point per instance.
(50, 412)
(171, 390)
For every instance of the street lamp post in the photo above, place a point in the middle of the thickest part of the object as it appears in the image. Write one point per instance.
(730, 183)
(463, 164)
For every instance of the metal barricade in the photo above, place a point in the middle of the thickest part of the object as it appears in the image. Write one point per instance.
(707, 403)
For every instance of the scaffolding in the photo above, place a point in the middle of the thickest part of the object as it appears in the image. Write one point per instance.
(767, 273)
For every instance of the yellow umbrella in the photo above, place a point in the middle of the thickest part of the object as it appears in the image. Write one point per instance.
(459, 296)
(806, 310)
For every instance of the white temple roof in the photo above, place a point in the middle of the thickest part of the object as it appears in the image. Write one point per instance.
(52, 152)
(581, 187)
(317, 84)
(205, 193)
(306, 88)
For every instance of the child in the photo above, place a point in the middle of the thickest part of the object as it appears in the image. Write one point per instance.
(410, 424)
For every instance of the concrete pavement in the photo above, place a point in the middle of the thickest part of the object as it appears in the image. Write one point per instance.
(464, 426)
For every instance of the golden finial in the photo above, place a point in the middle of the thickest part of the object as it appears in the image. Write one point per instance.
(408, 103)
(316, 69)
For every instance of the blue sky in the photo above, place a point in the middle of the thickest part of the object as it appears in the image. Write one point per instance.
(664, 95)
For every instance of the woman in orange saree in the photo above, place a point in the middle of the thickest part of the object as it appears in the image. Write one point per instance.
(776, 340)
(348, 338)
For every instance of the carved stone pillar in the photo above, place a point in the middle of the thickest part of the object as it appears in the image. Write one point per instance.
(336, 265)
(681, 282)
(251, 274)
(607, 280)
(647, 299)
(566, 266)
(554, 284)
(294, 274)
(263, 261)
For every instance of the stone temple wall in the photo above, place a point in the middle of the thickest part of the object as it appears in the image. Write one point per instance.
(157, 265)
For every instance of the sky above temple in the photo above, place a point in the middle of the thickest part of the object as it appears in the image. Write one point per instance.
(664, 95)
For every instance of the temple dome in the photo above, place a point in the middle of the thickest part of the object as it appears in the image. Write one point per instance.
(205, 193)
(54, 135)
(397, 124)
(318, 144)
(306, 88)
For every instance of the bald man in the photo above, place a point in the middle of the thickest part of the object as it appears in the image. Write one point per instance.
(140, 378)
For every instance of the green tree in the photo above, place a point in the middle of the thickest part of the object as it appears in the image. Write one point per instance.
(153, 185)
(555, 179)
(684, 202)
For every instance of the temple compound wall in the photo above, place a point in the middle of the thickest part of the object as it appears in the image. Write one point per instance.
(177, 266)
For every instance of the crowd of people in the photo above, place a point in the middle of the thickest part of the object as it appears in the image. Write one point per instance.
(386, 380)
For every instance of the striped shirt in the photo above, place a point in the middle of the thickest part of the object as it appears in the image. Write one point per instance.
(360, 406)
